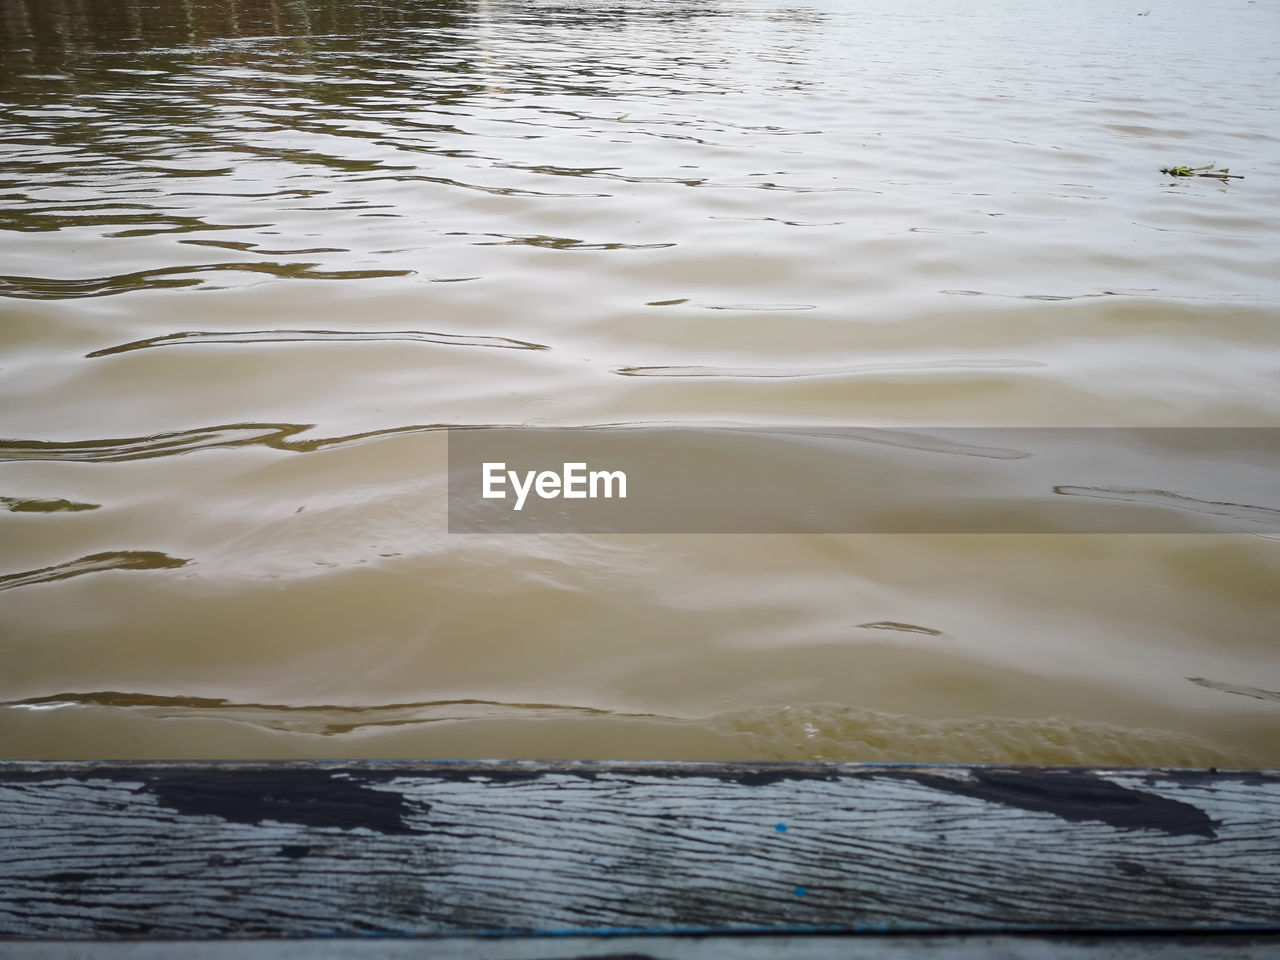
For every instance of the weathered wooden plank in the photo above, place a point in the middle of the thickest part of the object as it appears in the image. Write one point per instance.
(320, 849)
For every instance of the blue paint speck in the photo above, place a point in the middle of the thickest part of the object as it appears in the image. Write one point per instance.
(801, 891)
(781, 828)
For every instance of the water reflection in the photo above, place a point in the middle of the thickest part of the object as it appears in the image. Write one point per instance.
(846, 213)
(55, 30)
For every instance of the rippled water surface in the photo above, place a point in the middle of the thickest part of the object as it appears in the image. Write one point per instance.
(256, 256)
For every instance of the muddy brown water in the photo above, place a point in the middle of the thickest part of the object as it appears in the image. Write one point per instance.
(258, 255)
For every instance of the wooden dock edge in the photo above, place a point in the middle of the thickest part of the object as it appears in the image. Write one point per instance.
(674, 855)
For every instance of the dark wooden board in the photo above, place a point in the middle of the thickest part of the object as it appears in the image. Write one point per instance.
(103, 850)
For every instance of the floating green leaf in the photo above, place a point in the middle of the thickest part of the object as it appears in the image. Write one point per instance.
(1208, 170)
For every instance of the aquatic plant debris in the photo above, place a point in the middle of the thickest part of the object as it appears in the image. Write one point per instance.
(1208, 170)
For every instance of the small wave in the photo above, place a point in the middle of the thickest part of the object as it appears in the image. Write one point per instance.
(242, 246)
(1257, 693)
(279, 436)
(788, 223)
(761, 306)
(324, 720)
(481, 188)
(917, 440)
(753, 373)
(901, 627)
(609, 173)
(562, 243)
(93, 563)
(48, 288)
(320, 336)
(817, 731)
(1031, 296)
(1148, 292)
(841, 733)
(1178, 501)
(162, 171)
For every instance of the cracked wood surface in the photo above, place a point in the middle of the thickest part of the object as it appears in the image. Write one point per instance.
(168, 850)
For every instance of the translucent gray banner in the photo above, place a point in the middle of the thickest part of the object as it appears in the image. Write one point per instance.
(864, 480)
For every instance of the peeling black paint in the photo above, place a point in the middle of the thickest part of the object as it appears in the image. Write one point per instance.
(494, 774)
(66, 876)
(294, 851)
(310, 798)
(341, 795)
(1076, 796)
(126, 928)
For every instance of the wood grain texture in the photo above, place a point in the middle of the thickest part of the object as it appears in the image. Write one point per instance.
(319, 849)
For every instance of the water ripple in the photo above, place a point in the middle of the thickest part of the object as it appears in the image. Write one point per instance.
(751, 373)
(901, 627)
(48, 288)
(93, 563)
(1257, 693)
(768, 307)
(316, 719)
(278, 436)
(562, 243)
(243, 246)
(823, 731)
(1148, 292)
(1248, 513)
(480, 188)
(320, 336)
(442, 141)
